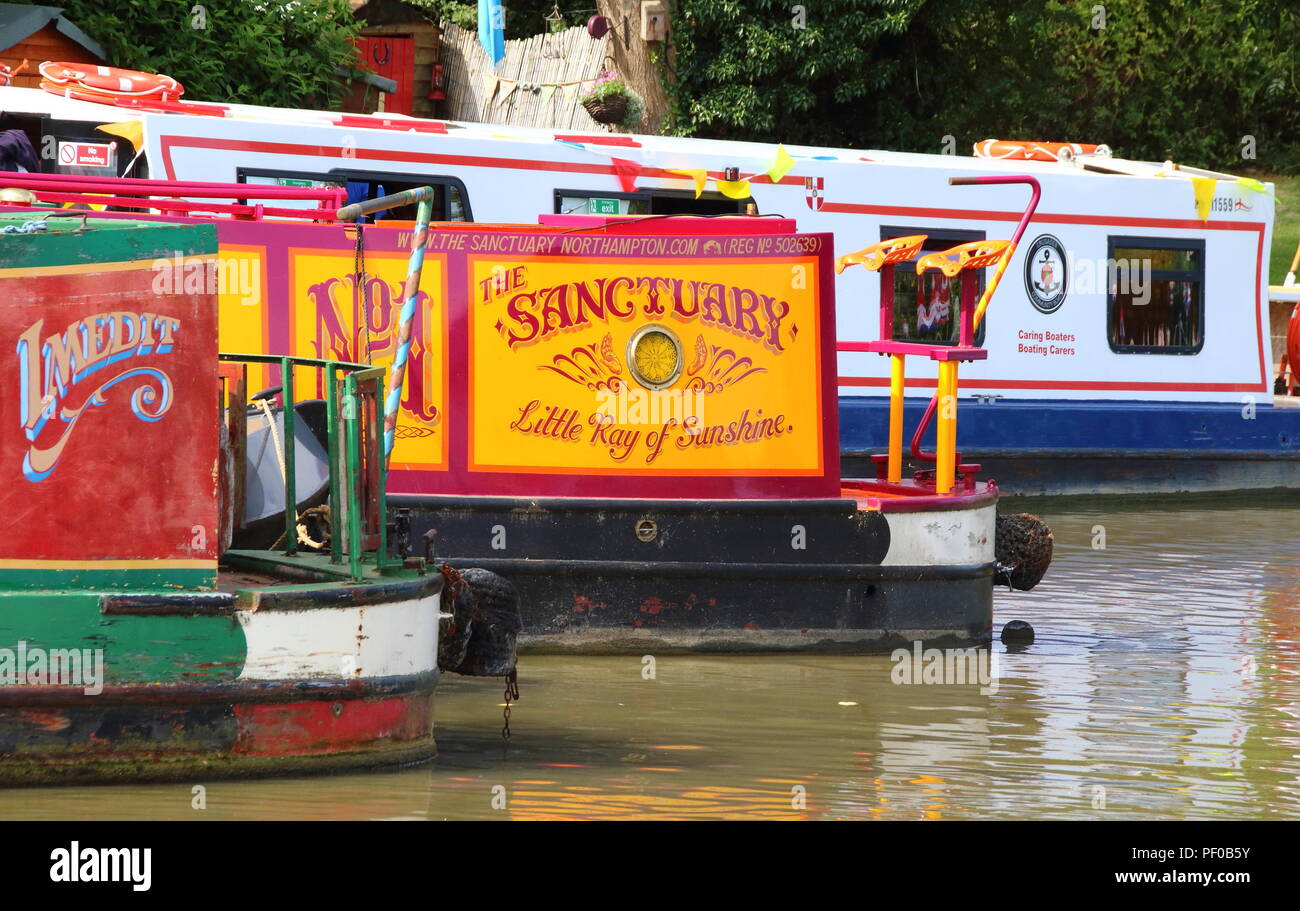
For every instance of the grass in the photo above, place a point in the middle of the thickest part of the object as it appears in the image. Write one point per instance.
(1286, 227)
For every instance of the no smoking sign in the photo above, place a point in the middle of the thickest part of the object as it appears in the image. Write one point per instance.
(87, 154)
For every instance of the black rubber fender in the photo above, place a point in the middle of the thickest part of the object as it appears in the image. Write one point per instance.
(486, 624)
(1023, 550)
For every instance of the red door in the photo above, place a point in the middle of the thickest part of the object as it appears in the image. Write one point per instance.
(392, 57)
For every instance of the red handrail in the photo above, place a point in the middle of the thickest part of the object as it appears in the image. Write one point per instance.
(177, 206)
(178, 196)
(147, 186)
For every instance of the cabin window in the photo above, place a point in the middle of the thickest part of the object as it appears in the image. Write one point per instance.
(450, 200)
(610, 204)
(648, 202)
(925, 310)
(74, 147)
(1155, 295)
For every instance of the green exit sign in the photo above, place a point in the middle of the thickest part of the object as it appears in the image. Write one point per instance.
(603, 207)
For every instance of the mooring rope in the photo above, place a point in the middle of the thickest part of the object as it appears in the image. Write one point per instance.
(27, 227)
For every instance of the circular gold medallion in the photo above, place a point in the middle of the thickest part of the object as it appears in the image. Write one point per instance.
(654, 356)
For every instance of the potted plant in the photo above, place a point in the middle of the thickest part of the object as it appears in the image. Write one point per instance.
(610, 100)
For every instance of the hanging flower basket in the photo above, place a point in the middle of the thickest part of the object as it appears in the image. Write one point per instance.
(610, 100)
(610, 109)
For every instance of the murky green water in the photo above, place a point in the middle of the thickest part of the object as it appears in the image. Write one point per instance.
(1165, 682)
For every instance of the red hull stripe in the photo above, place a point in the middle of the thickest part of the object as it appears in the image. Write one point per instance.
(298, 728)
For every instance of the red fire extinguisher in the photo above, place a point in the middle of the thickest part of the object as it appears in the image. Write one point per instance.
(438, 84)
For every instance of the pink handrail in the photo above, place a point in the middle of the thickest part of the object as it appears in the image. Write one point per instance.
(179, 206)
(178, 196)
(334, 196)
(930, 409)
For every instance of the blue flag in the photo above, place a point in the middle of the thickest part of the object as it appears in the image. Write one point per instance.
(492, 29)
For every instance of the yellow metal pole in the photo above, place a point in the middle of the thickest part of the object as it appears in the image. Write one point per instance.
(952, 388)
(895, 418)
(946, 431)
(993, 285)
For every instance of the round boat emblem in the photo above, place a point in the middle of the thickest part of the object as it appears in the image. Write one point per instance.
(1047, 277)
(654, 356)
(647, 530)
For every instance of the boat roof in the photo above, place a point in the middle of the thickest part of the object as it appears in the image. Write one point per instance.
(24, 100)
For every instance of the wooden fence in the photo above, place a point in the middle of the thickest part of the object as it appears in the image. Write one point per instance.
(536, 84)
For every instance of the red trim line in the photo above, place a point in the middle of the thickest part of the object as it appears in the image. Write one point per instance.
(1119, 386)
(1259, 316)
(602, 139)
(167, 143)
(911, 496)
(1190, 224)
(380, 122)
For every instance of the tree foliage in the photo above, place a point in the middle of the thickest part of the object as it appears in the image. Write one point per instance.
(283, 54)
(523, 18)
(1153, 79)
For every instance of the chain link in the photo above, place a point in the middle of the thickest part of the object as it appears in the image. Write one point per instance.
(361, 290)
(511, 694)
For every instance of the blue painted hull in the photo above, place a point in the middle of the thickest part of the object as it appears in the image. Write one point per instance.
(1055, 447)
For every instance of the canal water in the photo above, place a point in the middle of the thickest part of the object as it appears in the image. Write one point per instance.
(1164, 683)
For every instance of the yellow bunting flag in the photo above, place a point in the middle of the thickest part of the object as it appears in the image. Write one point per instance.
(132, 131)
(734, 189)
(781, 166)
(570, 90)
(1246, 183)
(699, 175)
(1203, 188)
(490, 84)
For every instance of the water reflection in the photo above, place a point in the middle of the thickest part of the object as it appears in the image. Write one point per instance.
(1164, 682)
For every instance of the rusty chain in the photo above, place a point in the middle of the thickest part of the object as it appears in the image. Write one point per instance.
(511, 694)
(455, 584)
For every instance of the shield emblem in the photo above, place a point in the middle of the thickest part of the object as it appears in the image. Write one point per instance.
(813, 192)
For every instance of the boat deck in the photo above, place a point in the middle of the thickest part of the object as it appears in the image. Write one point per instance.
(249, 569)
(231, 580)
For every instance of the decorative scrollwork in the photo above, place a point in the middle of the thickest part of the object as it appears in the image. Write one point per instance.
(715, 368)
(405, 431)
(595, 366)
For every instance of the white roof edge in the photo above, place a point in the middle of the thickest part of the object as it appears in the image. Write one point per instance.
(24, 100)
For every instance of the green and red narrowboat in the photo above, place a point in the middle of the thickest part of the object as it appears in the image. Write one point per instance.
(135, 641)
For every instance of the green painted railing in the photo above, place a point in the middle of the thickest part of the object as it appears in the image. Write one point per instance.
(358, 470)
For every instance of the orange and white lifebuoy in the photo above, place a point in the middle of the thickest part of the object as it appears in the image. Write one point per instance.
(107, 83)
(1293, 349)
(7, 73)
(1014, 150)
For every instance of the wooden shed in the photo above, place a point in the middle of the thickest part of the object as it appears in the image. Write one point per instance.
(399, 41)
(40, 33)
